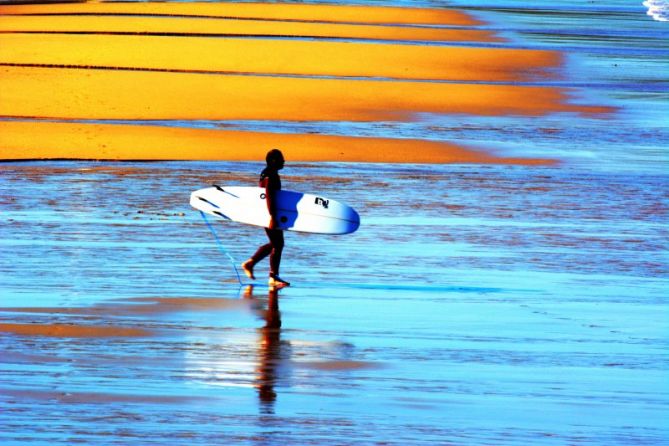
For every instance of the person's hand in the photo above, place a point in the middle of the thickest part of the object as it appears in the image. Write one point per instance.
(272, 223)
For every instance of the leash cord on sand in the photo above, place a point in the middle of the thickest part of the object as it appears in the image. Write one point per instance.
(221, 247)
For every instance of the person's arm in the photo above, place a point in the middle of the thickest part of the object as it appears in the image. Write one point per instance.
(270, 197)
(269, 194)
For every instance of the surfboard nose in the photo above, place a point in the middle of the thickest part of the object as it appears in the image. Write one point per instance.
(354, 218)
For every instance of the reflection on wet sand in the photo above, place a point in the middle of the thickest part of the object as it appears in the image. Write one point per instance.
(272, 352)
(72, 331)
(138, 306)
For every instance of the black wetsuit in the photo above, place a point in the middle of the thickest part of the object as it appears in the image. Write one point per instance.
(270, 180)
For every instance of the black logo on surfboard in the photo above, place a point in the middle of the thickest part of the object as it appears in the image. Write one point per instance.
(322, 202)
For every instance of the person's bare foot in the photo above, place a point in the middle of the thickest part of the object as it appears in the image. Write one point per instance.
(277, 282)
(247, 267)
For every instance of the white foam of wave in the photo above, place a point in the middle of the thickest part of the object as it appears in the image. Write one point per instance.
(658, 9)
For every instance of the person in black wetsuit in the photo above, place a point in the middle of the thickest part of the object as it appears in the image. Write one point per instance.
(270, 180)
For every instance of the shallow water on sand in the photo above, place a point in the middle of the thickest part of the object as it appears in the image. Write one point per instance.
(475, 305)
(506, 305)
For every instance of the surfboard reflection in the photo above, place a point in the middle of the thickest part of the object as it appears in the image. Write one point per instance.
(273, 353)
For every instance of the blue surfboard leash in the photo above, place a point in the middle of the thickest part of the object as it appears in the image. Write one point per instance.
(221, 247)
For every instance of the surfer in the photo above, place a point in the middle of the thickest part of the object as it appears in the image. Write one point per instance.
(270, 180)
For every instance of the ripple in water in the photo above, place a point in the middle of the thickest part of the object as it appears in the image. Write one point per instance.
(658, 9)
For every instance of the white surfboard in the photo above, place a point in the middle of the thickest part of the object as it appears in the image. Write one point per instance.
(296, 211)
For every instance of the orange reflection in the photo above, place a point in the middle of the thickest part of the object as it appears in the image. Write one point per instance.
(72, 331)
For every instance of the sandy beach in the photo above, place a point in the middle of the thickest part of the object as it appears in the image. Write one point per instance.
(342, 13)
(508, 282)
(158, 67)
(80, 141)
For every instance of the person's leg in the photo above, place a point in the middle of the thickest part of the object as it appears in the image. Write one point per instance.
(276, 239)
(260, 254)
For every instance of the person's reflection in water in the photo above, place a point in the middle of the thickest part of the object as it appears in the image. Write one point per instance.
(271, 353)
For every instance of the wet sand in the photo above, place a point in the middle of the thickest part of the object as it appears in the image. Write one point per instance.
(69, 331)
(513, 305)
(509, 290)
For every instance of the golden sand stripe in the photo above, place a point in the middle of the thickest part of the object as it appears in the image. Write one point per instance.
(280, 57)
(168, 25)
(72, 331)
(36, 140)
(273, 11)
(114, 94)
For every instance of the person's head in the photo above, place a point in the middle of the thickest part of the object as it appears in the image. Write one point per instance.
(275, 159)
